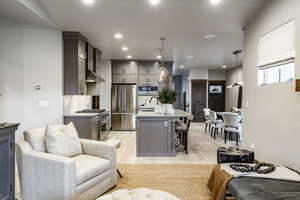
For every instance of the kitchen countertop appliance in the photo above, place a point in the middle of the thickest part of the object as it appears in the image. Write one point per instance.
(123, 106)
(104, 122)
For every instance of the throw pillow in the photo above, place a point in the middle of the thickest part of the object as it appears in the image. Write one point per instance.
(63, 141)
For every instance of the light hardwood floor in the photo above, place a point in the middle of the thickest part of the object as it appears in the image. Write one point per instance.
(202, 148)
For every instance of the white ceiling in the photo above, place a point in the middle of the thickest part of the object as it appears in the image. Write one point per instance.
(183, 22)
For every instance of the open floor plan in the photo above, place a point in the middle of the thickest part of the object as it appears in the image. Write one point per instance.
(149, 99)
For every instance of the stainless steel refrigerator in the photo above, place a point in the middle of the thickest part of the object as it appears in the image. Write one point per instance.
(123, 107)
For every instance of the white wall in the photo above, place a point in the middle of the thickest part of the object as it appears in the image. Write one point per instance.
(199, 74)
(271, 121)
(30, 56)
(216, 75)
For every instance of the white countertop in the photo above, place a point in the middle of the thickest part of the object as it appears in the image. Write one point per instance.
(177, 113)
(81, 114)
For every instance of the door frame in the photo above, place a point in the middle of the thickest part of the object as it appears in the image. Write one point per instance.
(220, 82)
(193, 81)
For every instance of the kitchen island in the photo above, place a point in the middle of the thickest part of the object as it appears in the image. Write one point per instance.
(156, 133)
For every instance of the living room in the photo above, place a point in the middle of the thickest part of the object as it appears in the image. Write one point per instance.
(236, 58)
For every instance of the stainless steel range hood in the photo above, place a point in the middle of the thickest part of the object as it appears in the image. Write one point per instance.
(93, 78)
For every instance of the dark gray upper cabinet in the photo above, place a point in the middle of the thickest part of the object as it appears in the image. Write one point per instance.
(82, 49)
(143, 72)
(131, 67)
(74, 63)
(97, 59)
(127, 67)
(148, 73)
(148, 67)
(125, 72)
(125, 78)
(118, 68)
(90, 57)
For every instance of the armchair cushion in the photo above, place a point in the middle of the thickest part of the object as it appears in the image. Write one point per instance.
(88, 167)
(63, 141)
(36, 138)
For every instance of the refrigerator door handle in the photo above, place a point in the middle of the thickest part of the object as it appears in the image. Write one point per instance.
(125, 95)
(123, 99)
(120, 98)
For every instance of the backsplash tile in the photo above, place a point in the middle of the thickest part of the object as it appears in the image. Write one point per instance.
(73, 103)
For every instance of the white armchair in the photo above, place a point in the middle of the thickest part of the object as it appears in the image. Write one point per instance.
(51, 177)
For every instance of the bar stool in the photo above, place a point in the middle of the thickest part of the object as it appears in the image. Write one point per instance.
(182, 130)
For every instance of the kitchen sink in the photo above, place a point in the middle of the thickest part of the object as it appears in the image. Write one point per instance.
(147, 110)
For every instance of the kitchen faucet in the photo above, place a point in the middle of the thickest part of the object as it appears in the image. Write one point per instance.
(154, 98)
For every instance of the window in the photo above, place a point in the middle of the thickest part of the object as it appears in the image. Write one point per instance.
(284, 73)
(276, 55)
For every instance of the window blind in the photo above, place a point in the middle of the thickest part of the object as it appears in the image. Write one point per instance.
(278, 46)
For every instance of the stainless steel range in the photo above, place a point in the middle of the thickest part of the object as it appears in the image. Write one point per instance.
(104, 122)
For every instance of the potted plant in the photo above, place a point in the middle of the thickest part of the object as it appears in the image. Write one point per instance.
(167, 97)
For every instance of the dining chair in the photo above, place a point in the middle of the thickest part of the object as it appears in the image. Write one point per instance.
(232, 124)
(216, 124)
(207, 117)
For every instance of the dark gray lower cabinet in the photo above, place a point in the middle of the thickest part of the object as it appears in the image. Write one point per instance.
(155, 137)
(7, 161)
(86, 126)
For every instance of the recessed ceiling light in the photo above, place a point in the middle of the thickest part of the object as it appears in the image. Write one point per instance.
(154, 2)
(210, 36)
(124, 48)
(215, 1)
(88, 2)
(159, 57)
(181, 66)
(129, 56)
(118, 36)
(190, 57)
(224, 66)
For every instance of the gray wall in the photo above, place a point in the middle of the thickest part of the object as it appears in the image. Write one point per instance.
(30, 56)
(271, 119)
(231, 98)
(105, 97)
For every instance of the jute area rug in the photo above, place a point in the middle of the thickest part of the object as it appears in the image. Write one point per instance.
(187, 182)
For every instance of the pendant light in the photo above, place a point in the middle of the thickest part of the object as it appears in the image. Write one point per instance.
(164, 75)
(236, 82)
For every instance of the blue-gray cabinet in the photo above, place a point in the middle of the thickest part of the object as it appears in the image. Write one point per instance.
(7, 161)
(155, 137)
